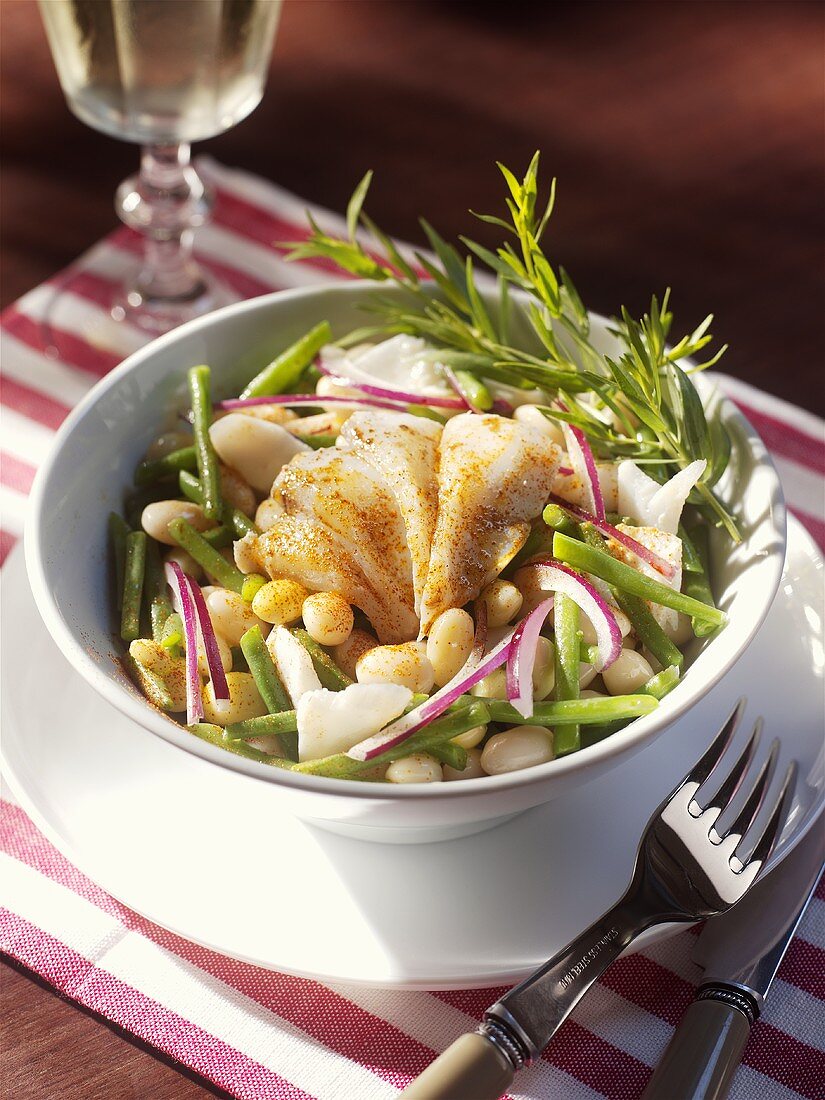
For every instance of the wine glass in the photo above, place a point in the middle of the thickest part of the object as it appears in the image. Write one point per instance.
(163, 73)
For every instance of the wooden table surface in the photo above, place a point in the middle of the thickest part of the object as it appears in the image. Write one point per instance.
(688, 142)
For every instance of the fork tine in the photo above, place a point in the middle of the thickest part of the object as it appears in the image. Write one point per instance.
(737, 773)
(753, 803)
(770, 834)
(714, 754)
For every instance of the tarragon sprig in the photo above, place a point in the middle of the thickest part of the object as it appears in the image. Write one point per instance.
(639, 403)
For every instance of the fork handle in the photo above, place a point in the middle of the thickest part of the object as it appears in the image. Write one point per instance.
(472, 1067)
(706, 1048)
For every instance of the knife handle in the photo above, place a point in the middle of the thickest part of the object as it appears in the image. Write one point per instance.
(473, 1068)
(706, 1048)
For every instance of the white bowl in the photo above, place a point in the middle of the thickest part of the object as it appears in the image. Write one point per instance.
(92, 462)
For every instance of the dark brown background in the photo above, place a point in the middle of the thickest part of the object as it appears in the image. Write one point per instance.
(688, 142)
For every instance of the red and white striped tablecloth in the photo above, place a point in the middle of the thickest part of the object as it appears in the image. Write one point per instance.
(255, 1033)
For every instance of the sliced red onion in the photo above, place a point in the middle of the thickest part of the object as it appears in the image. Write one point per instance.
(566, 471)
(522, 659)
(210, 642)
(555, 577)
(179, 583)
(502, 407)
(408, 724)
(653, 559)
(402, 396)
(584, 464)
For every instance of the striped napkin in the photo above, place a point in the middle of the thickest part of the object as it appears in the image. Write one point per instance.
(254, 1033)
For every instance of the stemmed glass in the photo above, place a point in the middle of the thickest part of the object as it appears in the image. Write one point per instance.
(163, 73)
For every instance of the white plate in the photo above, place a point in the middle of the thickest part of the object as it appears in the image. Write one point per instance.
(209, 853)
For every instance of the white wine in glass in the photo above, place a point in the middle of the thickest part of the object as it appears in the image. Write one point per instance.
(163, 73)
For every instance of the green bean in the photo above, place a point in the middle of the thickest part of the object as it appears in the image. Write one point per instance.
(624, 577)
(328, 672)
(591, 735)
(157, 469)
(133, 571)
(566, 712)
(451, 754)
(691, 562)
(317, 440)
(205, 555)
(696, 586)
(427, 413)
(659, 685)
(474, 390)
(286, 370)
(588, 654)
(341, 766)
(285, 721)
(214, 735)
(151, 684)
(239, 521)
(539, 541)
(208, 469)
(172, 635)
(648, 630)
(252, 585)
(219, 537)
(118, 530)
(556, 517)
(238, 660)
(268, 682)
(566, 624)
(155, 587)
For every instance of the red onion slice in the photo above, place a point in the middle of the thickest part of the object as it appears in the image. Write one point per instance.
(316, 399)
(522, 659)
(566, 471)
(210, 642)
(402, 396)
(408, 724)
(179, 582)
(650, 556)
(555, 577)
(452, 378)
(584, 464)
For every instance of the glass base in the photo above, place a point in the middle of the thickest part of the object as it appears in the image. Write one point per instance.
(159, 315)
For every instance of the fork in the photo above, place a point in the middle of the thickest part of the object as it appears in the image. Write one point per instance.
(685, 870)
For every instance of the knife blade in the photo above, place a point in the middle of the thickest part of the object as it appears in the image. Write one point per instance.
(741, 951)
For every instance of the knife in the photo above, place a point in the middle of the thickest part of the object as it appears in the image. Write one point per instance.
(741, 951)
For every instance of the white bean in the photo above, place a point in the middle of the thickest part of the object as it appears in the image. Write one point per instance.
(682, 632)
(232, 616)
(532, 415)
(589, 631)
(406, 664)
(279, 602)
(185, 561)
(544, 668)
(517, 748)
(236, 492)
(587, 674)
(255, 448)
(528, 581)
(493, 686)
(349, 652)
(470, 738)
(628, 673)
(244, 701)
(157, 516)
(268, 513)
(223, 649)
(420, 767)
(503, 602)
(327, 617)
(654, 663)
(472, 769)
(152, 657)
(450, 643)
(588, 694)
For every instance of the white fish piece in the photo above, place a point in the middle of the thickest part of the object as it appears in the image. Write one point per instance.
(495, 475)
(651, 504)
(334, 721)
(404, 450)
(348, 497)
(403, 362)
(571, 487)
(667, 546)
(293, 663)
(257, 449)
(304, 550)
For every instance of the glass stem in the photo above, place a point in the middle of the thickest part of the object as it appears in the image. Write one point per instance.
(165, 202)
